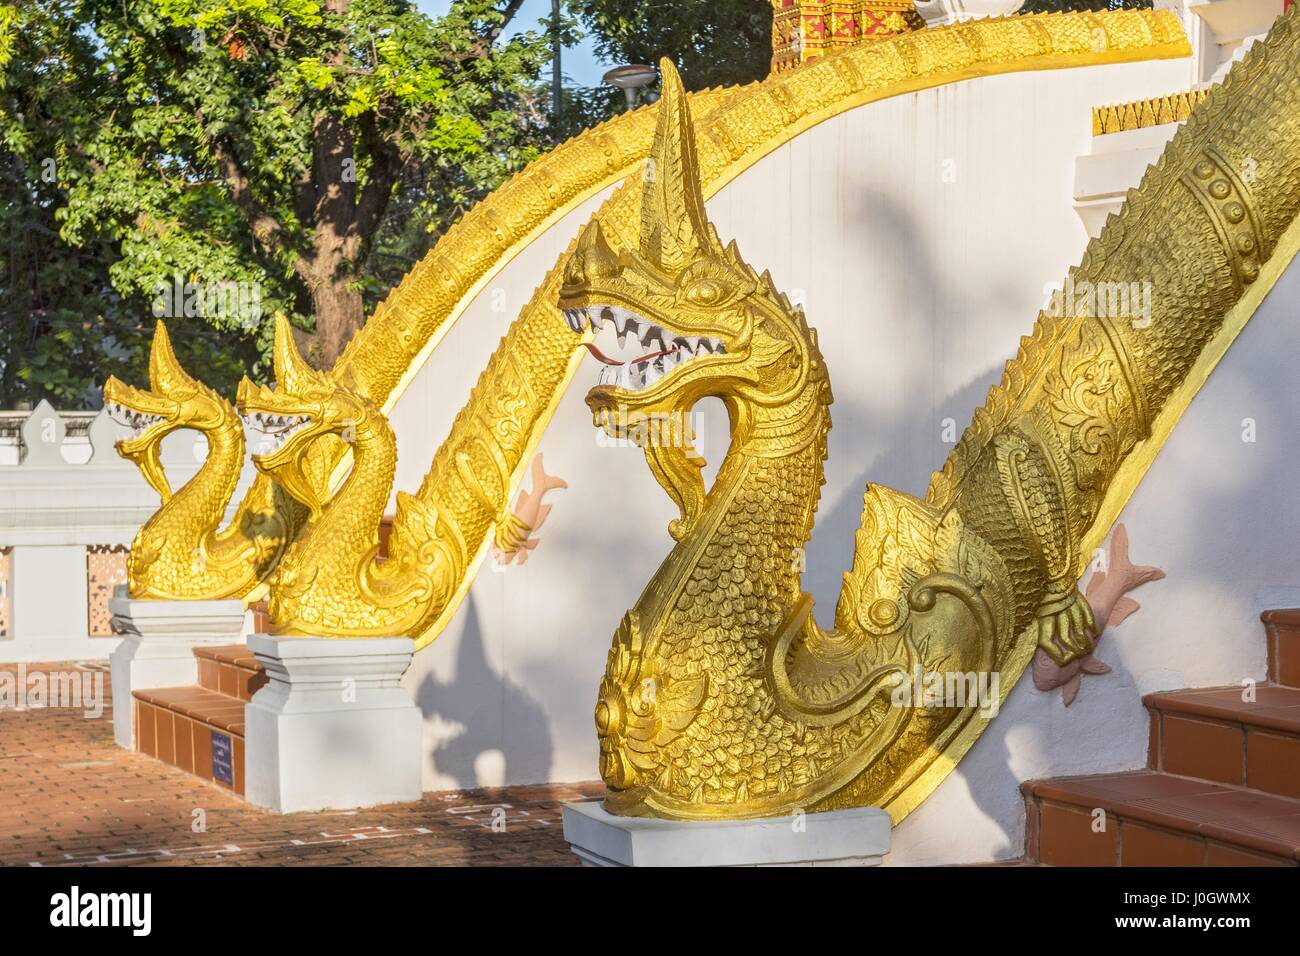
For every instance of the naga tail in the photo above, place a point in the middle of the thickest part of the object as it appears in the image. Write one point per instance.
(1047, 464)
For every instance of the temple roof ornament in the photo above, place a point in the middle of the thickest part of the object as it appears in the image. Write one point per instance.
(804, 30)
(937, 13)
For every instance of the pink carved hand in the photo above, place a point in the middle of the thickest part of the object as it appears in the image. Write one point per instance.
(1107, 595)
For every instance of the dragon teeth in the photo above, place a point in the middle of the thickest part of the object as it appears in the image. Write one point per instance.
(678, 349)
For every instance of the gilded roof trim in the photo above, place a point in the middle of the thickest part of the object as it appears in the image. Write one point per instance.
(1141, 114)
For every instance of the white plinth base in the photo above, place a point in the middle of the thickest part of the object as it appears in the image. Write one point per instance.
(333, 728)
(856, 837)
(157, 648)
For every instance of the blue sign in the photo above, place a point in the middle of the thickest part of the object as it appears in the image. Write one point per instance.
(223, 766)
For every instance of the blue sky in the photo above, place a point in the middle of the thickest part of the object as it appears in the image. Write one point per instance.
(580, 64)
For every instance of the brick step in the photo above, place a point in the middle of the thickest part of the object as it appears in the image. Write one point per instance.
(230, 669)
(1282, 626)
(1157, 819)
(1214, 735)
(197, 729)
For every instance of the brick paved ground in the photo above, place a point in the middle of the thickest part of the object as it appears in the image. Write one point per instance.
(70, 796)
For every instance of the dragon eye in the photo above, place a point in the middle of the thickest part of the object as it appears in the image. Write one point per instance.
(575, 272)
(705, 292)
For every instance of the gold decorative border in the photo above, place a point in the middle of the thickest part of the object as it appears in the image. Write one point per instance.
(1142, 114)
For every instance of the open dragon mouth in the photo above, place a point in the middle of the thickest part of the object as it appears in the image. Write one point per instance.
(634, 352)
(270, 432)
(138, 422)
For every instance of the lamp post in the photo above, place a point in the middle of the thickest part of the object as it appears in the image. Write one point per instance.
(557, 76)
(631, 79)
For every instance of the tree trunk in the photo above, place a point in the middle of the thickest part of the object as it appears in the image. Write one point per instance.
(339, 314)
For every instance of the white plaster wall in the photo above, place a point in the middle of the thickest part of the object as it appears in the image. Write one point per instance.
(52, 507)
(920, 233)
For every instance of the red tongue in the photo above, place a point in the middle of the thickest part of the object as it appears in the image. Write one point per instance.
(602, 357)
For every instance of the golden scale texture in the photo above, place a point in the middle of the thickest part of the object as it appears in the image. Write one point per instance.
(181, 552)
(722, 697)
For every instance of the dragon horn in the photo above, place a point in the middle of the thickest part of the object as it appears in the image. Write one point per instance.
(165, 372)
(674, 227)
(292, 373)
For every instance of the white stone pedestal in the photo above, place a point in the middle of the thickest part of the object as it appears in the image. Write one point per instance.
(855, 837)
(157, 649)
(333, 728)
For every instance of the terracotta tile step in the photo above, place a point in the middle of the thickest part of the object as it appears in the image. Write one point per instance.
(182, 726)
(1282, 627)
(236, 654)
(230, 669)
(1215, 735)
(1274, 708)
(210, 707)
(1157, 819)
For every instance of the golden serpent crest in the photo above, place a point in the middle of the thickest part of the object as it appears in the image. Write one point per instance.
(180, 552)
(722, 696)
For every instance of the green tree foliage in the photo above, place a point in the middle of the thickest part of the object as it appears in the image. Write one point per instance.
(63, 327)
(1063, 6)
(241, 144)
(712, 43)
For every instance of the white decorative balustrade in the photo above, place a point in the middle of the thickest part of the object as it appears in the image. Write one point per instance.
(69, 507)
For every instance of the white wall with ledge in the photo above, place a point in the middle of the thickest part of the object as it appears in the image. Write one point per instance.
(1114, 163)
(1220, 33)
(69, 508)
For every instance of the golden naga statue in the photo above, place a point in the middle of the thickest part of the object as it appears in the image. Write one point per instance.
(744, 125)
(723, 697)
(331, 581)
(181, 553)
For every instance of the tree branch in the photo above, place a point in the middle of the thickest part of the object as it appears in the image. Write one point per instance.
(386, 166)
(508, 14)
(265, 227)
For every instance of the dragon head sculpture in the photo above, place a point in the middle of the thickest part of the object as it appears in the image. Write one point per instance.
(288, 420)
(680, 318)
(173, 401)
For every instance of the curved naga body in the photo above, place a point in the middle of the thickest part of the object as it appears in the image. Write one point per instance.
(181, 552)
(332, 581)
(723, 696)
